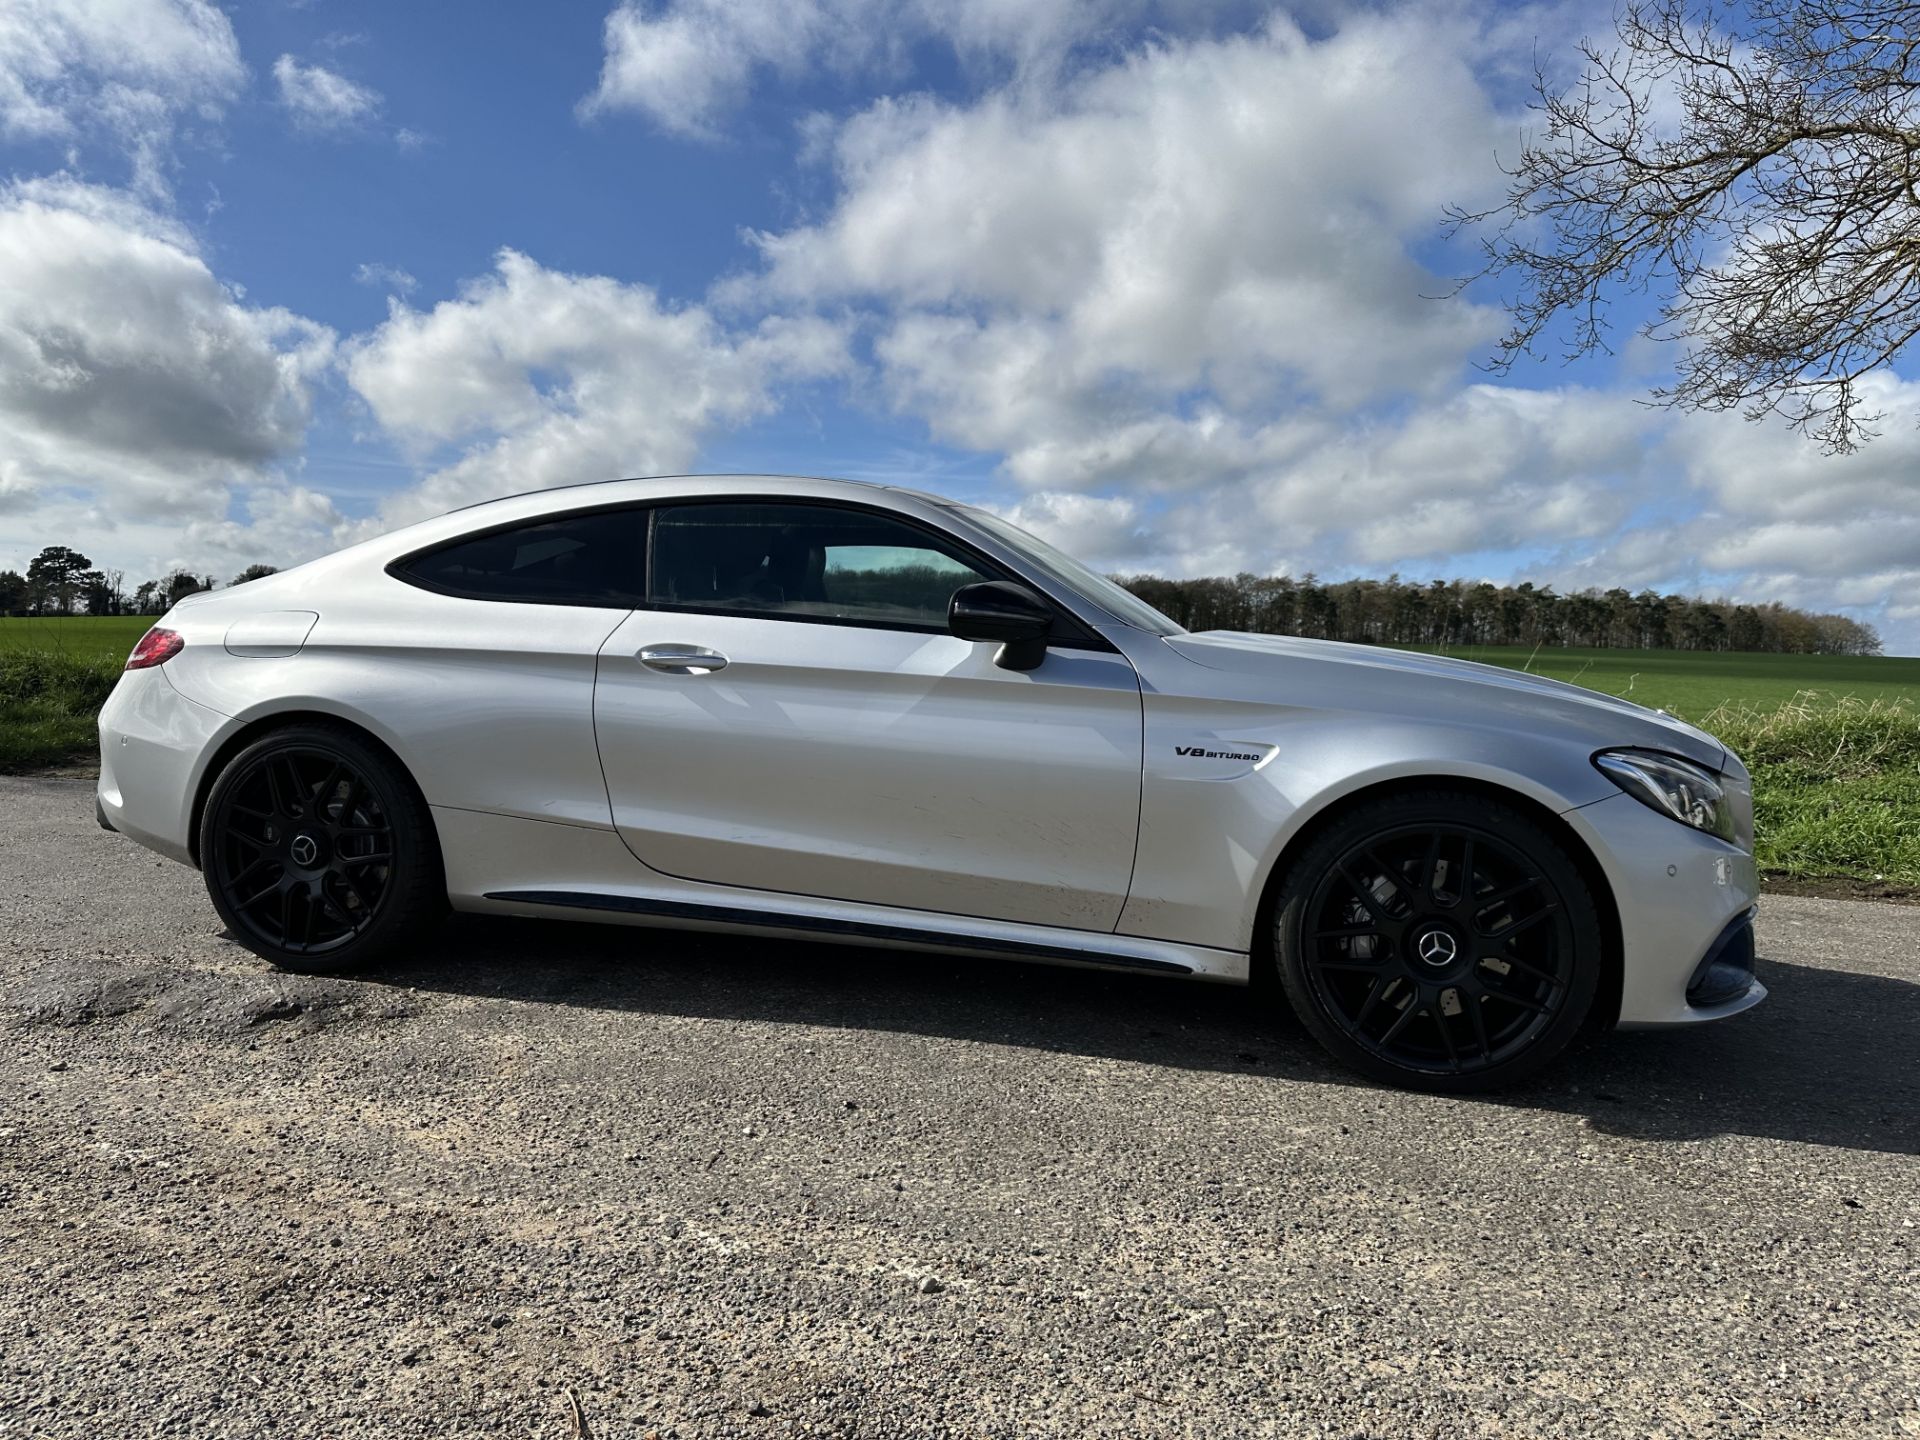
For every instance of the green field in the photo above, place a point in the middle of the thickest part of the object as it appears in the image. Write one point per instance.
(95, 636)
(1693, 683)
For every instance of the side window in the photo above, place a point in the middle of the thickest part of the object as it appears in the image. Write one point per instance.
(804, 561)
(593, 559)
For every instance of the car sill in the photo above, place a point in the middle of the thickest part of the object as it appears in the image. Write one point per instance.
(823, 925)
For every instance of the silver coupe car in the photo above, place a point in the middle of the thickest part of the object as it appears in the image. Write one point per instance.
(816, 708)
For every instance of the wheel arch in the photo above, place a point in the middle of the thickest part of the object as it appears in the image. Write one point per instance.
(263, 725)
(1606, 1004)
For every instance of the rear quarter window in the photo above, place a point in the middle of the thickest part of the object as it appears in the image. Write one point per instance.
(591, 559)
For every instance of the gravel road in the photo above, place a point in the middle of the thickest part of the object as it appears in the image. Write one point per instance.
(723, 1187)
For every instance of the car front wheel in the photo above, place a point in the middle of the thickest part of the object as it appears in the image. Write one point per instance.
(318, 852)
(1439, 940)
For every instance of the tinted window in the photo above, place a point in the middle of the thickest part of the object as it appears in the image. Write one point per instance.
(803, 561)
(577, 560)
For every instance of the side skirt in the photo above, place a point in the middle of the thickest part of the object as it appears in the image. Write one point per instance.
(840, 929)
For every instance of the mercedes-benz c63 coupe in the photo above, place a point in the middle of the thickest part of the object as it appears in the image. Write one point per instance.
(814, 708)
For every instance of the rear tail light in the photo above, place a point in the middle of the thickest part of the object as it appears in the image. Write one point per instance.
(156, 647)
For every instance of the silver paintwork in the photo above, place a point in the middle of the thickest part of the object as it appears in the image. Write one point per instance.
(1131, 803)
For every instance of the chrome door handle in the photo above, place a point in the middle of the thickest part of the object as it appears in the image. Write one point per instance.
(682, 659)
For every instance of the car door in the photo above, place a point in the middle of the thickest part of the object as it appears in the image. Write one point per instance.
(787, 712)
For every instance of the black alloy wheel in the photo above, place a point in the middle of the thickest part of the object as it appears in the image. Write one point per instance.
(317, 852)
(1443, 941)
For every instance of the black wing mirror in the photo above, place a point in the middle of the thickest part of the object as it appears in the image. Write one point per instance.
(1002, 612)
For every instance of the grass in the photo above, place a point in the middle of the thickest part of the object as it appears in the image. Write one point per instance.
(1836, 785)
(1692, 683)
(1833, 742)
(97, 636)
(48, 701)
(55, 674)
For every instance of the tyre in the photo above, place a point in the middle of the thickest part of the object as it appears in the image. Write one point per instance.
(319, 852)
(1438, 940)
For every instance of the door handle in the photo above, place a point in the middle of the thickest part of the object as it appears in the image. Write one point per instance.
(682, 659)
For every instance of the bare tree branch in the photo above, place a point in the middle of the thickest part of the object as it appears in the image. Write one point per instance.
(1761, 179)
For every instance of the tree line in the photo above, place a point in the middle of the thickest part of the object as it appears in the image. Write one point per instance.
(1459, 612)
(62, 581)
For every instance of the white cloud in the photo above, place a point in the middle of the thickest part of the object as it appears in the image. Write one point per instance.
(1171, 268)
(1110, 529)
(138, 395)
(124, 69)
(1490, 469)
(319, 99)
(684, 63)
(125, 366)
(382, 276)
(548, 379)
(1758, 471)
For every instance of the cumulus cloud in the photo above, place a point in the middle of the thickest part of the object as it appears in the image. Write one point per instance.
(1490, 469)
(141, 400)
(126, 367)
(685, 63)
(1746, 467)
(1201, 244)
(320, 99)
(125, 70)
(543, 378)
(1111, 527)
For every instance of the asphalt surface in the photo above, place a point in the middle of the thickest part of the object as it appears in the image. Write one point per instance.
(715, 1187)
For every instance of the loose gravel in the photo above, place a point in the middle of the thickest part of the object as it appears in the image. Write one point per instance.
(690, 1186)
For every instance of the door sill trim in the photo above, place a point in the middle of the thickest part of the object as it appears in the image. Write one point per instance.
(908, 935)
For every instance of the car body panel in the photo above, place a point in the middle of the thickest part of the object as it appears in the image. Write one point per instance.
(1133, 801)
(1328, 728)
(1675, 894)
(154, 747)
(493, 860)
(885, 766)
(489, 705)
(1448, 690)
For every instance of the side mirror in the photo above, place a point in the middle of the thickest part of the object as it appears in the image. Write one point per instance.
(1003, 612)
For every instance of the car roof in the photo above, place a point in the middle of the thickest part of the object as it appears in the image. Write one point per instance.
(799, 484)
(531, 506)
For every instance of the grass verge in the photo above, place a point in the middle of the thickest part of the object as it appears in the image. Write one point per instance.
(1836, 785)
(48, 701)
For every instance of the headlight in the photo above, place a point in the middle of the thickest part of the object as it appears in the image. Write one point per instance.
(1689, 793)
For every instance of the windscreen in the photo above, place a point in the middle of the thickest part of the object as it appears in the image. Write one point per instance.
(1118, 601)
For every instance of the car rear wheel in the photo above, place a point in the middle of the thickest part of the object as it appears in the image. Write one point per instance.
(1439, 940)
(318, 852)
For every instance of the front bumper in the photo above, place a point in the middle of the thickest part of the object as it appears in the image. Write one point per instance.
(1725, 972)
(1684, 898)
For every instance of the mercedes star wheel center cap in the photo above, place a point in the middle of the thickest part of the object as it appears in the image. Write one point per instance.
(1438, 949)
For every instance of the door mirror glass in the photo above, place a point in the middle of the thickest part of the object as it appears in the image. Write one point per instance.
(999, 611)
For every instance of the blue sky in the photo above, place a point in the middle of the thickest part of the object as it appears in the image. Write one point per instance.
(1156, 278)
